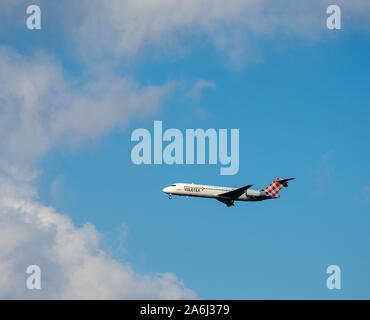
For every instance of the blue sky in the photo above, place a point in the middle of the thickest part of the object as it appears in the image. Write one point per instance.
(293, 110)
(302, 107)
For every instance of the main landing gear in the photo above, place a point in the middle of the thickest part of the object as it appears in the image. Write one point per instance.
(230, 203)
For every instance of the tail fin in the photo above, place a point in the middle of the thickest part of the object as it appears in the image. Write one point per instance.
(275, 186)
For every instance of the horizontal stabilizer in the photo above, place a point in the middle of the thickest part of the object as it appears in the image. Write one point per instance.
(284, 182)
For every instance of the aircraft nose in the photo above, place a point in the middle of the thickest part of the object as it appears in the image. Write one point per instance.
(165, 190)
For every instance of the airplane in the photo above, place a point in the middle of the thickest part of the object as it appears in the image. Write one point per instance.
(228, 195)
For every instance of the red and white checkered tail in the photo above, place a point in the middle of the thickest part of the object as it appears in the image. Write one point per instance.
(276, 185)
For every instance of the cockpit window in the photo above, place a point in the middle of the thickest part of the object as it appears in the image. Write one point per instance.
(173, 185)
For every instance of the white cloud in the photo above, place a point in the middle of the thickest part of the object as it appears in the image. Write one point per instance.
(38, 108)
(128, 28)
(72, 264)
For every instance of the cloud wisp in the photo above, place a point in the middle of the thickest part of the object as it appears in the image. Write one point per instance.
(196, 91)
(126, 29)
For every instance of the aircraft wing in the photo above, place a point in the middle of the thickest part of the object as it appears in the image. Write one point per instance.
(234, 194)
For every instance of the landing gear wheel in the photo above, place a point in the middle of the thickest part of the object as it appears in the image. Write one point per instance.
(170, 196)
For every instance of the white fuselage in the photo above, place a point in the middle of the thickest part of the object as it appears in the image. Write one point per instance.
(198, 190)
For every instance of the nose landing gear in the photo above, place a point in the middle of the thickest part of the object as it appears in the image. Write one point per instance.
(170, 196)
